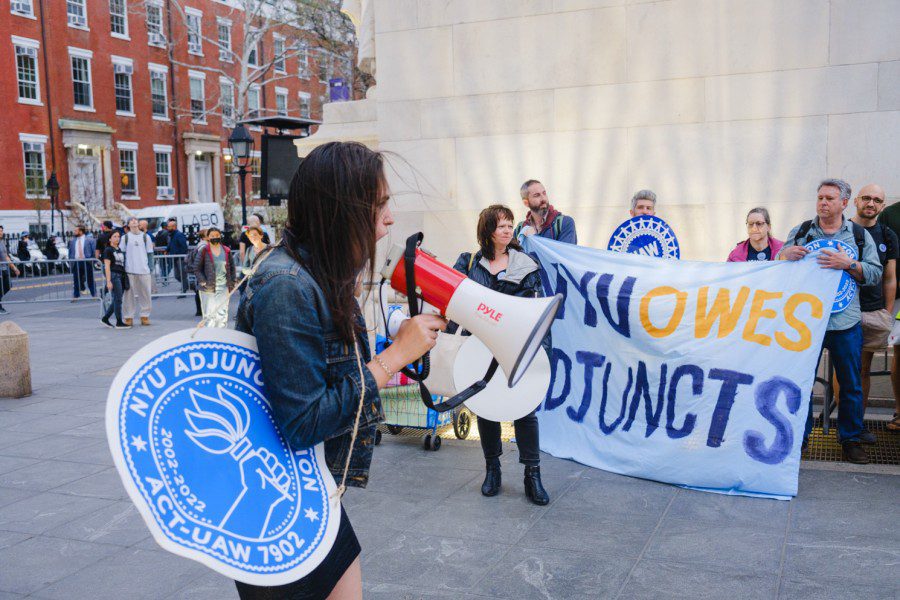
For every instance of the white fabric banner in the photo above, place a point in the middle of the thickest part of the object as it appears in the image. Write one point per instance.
(691, 373)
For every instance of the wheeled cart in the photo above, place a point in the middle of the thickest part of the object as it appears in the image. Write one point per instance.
(403, 409)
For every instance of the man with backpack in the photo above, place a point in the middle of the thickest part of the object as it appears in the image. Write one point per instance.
(542, 219)
(138, 249)
(844, 336)
(876, 301)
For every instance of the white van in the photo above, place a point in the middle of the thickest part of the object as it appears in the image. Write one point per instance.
(202, 214)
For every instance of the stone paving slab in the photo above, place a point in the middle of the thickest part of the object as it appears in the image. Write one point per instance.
(68, 530)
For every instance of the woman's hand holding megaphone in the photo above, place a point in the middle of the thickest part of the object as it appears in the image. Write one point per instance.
(416, 336)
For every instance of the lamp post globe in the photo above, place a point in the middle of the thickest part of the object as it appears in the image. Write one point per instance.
(241, 144)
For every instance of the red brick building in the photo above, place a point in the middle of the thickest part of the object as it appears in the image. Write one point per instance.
(125, 102)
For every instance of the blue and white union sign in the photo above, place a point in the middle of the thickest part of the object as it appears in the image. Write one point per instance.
(847, 288)
(193, 438)
(646, 235)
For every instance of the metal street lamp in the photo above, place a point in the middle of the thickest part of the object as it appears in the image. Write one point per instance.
(241, 144)
(53, 190)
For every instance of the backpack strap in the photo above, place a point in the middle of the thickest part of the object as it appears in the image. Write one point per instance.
(557, 226)
(859, 236)
(802, 231)
(518, 229)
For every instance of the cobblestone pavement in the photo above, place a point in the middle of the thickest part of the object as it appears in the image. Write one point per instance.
(67, 529)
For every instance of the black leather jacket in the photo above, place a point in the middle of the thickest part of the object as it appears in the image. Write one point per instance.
(522, 277)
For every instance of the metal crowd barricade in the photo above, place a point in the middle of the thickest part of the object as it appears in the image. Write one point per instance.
(53, 280)
(827, 380)
(171, 276)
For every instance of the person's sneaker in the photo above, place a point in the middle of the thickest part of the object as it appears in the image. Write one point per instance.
(106, 322)
(3, 311)
(129, 322)
(145, 320)
(867, 437)
(854, 452)
(123, 326)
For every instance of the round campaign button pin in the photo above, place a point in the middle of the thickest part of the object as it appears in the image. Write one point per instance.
(646, 235)
(882, 247)
(847, 288)
(761, 256)
(193, 437)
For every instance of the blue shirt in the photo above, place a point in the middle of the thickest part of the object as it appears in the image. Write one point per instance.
(177, 243)
(871, 267)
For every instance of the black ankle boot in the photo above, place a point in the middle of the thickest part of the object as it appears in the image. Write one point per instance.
(491, 485)
(533, 487)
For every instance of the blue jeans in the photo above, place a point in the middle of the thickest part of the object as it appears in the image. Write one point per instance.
(845, 348)
(117, 293)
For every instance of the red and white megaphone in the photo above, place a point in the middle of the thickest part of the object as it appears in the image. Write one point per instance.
(511, 327)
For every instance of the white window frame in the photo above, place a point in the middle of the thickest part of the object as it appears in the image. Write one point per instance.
(89, 57)
(256, 173)
(33, 138)
(201, 76)
(225, 51)
(14, 4)
(308, 97)
(121, 36)
(281, 92)
(167, 150)
(76, 25)
(191, 14)
(20, 42)
(129, 147)
(303, 61)
(161, 70)
(161, 43)
(121, 61)
(277, 39)
(227, 121)
(255, 90)
(255, 51)
(323, 59)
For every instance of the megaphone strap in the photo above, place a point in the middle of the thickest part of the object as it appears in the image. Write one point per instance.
(423, 365)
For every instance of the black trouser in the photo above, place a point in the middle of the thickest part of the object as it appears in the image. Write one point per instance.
(181, 274)
(526, 439)
(4, 280)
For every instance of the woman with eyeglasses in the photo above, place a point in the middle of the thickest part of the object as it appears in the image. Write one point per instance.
(215, 278)
(759, 245)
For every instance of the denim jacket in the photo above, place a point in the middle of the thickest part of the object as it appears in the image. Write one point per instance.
(310, 373)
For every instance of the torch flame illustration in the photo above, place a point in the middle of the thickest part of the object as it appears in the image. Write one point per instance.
(219, 426)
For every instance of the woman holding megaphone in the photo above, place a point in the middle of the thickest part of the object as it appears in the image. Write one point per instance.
(316, 364)
(501, 265)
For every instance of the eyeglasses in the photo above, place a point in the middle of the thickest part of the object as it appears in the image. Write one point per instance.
(873, 199)
(756, 224)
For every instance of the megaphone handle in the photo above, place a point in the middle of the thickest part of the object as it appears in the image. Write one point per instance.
(409, 261)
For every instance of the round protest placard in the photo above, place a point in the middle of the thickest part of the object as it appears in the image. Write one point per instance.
(646, 235)
(195, 443)
(847, 288)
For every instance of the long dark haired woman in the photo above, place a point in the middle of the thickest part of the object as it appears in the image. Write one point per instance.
(501, 265)
(116, 278)
(301, 306)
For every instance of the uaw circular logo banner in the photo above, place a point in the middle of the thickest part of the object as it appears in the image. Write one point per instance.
(646, 235)
(194, 440)
(847, 288)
